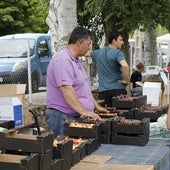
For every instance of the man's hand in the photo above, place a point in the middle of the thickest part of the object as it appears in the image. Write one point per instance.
(124, 82)
(93, 115)
(101, 109)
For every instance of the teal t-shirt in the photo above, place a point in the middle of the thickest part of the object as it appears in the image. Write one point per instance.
(109, 70)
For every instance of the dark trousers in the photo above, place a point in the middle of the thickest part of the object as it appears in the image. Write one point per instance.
(109, 94)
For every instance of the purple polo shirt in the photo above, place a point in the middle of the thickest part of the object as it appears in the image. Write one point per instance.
(65, 69)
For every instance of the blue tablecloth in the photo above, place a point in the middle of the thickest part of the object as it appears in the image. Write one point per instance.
(156, 152)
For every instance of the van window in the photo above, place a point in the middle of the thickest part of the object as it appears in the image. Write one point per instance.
(43, 49)
(12, 48)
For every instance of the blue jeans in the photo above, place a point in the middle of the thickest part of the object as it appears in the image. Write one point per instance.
(138, 90)
(55, 120)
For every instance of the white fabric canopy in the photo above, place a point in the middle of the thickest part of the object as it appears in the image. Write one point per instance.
(163, 39)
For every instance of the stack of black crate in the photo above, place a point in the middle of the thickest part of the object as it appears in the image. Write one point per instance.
(130, 134)
(100, 130)
(136, 108)
(70, 156)
(26, 152)
(91, 135)
(148, 111)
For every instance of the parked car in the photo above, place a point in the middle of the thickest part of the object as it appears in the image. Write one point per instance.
(14, 52)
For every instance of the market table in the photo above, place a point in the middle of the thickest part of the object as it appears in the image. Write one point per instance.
(156, 153)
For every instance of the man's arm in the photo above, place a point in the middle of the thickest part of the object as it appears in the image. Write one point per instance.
(168, 119)
(73, 101)
(98, 107)
(125, 71)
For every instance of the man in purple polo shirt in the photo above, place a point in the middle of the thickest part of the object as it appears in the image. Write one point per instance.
(68, 92)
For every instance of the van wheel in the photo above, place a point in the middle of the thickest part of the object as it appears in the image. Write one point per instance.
(35, 84)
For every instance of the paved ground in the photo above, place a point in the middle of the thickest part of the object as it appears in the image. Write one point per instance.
(37, 98)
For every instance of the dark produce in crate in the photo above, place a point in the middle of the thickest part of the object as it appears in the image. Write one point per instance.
(125, 102)
(104, 129)
(128, 114)
(63, 150)
(108, 115)
(75, 129)
(113, 112)
(18, 162)
(130, 132)
(7, 124)
(12, 140)
(152, 112)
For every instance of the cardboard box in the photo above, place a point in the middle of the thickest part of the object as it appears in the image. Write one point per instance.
(11, 109)
(95, 166)
(17, 90)
(11, 90)
(153, 91)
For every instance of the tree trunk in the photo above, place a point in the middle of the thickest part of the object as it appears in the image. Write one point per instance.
(62, 19)
(150, 50)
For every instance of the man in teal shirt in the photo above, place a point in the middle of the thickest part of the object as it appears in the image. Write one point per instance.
(112, 68)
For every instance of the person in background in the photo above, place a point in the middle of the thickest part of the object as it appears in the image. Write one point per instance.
(112, 68)
(68, 92)
(168, 67)
(168, 119)
(136, 79)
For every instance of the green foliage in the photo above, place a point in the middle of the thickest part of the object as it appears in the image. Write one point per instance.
(123, 15)
(23, 16)
(127, 15)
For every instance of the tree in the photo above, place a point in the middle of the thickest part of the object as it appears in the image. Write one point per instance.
(23, 16)
(127, 15)
(61, 20)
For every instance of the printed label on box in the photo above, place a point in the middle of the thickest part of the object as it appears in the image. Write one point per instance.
(11, 109)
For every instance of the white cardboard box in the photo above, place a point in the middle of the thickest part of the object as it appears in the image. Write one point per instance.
(152, 90)
(11, 109)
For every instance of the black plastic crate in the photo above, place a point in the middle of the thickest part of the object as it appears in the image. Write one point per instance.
(132, 128)
(45, 161)
(57, 164)
(124, 102)
(82, 144)
(11, 140)
(128, 114)
(7, 124)
(93, 144)
(105, 137)
(86, 130)
(104, 131)
(83, 148)
(130, 132)
(138, 140)
(153, 115)
(18, 162)
(76, 156)
(64, 151)
(104, 128)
